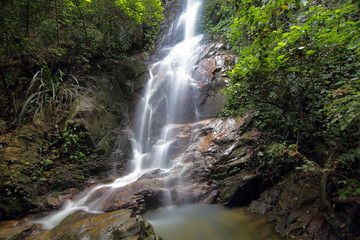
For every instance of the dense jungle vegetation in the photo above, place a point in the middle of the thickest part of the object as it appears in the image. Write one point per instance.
(42, 42)
(299, 72)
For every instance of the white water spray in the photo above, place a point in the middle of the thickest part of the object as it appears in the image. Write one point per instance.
(166, 98)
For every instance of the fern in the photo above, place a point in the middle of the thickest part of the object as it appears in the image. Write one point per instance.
(350, 156)
(125, 41)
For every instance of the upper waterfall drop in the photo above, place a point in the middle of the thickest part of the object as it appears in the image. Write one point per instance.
(166, 97)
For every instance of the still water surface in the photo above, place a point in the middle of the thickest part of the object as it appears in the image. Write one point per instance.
(210, 222)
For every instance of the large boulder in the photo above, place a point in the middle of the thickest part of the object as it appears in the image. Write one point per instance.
(104, 105)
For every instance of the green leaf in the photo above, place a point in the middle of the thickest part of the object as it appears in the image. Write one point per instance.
(310, 52)
(281, 57)
(295, 27)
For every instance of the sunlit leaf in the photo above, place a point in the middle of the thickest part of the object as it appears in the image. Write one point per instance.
(281, 57)
(310, 52)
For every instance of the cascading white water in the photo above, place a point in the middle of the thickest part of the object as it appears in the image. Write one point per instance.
(167, 100)
(164, 95)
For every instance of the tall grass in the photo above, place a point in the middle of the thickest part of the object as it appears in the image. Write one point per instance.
(47, 89)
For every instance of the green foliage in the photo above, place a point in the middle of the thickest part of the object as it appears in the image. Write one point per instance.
(66, 147)
(216, 16)
(71, 35)
(306, 72)
(64, 30)
(150, 36)
(278, 149)
(298, 69)
(141, 11)
(51, 92)
(2, 124)
(348, 188)
(61, 151)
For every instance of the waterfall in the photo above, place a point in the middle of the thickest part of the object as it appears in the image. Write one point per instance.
(166, 97)
(167, 100)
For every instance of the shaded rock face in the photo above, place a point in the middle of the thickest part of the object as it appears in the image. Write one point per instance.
(296, 207)
(122, 224)
(210, 78)
(104, 106)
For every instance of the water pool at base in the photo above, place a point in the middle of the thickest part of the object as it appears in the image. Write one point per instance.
(210, 222)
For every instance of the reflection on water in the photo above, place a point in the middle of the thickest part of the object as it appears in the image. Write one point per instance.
(210, 222)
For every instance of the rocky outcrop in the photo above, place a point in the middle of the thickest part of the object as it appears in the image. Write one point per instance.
(210, 159)
(122, 224)
(295, 205)
(210, 77)
(104, 105)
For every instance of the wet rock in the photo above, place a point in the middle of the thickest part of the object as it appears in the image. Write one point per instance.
(140, 196)
(295, 205)
(210, 78)
(15, 232)
(57, 200)
(265, 202)
(122, 224)
(203, 173)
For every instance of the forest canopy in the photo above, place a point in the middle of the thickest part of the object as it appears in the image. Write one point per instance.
(74, 31)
